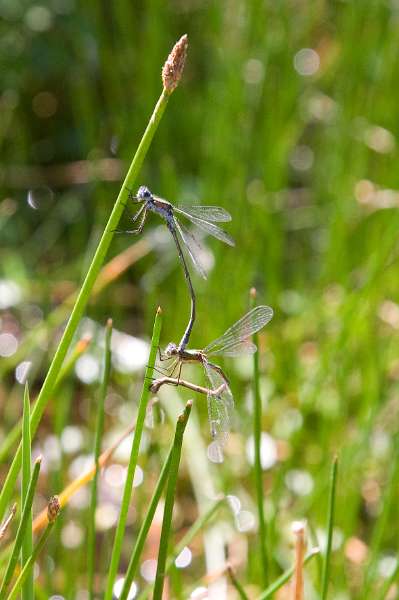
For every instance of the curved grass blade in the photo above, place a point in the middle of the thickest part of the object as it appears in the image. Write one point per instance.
(134, 560)
(169, 501)
(84, 294)
(91, 533)
(26, 511)
(53, 510)
(127, 492)
(27, 542)
(257, 433)
(330, 526)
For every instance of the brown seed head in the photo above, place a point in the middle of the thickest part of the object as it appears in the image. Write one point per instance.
(53, 508)
(173, 68)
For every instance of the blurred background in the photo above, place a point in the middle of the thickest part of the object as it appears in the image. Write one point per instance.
(287, 116)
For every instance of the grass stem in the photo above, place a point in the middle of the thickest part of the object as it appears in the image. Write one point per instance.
(26, 511)
(27, 542)
(330, 528)
(91, 533)
(84, 294)
(127, 492)
(169, 502)
(258, 476)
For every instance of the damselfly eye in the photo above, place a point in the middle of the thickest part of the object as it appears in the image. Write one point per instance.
(143, 192)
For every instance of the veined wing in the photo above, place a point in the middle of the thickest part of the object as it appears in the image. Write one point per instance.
(249, 324)
(193, 247)
(209, 228)
(237, 349)
(207, 213)
(220, 406)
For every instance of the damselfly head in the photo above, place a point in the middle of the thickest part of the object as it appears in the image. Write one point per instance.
(143, 193)
(171, 350)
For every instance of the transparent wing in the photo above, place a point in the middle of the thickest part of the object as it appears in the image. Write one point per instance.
(209, 228)
(238, 349)
(249, 324)
(220, 407)
(193, 247)
(207, 213)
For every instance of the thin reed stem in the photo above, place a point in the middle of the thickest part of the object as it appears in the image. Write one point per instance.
(240, 590)
(138, 548)
(258, 475)
(187, 539)
(27, 542)
(91, 533)
(84, 294)
(169, 502)
(330, 529)
(53, 509)
(127, 492)
(26, 511)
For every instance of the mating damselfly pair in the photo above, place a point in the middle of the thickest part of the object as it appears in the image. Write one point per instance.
(234, 342)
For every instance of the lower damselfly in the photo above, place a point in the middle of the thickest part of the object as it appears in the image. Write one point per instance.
(203, 217)
(234, 342)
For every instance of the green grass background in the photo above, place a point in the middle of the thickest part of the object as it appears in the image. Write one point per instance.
(233, 135)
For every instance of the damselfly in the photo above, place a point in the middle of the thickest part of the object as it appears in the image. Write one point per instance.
(234, 342)
(203, 217)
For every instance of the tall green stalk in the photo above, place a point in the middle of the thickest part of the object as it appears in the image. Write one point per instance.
(258, 476)
(169, 502)
(134, 560)
(98, 259)
(26, 511)
(330, 528)
(27, 542)
(127, 492)
(91, 534)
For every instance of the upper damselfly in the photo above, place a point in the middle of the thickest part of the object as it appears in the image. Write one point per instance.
(203, 217)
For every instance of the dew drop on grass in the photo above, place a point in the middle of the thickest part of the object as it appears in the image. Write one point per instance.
(235, 503)
(40, 198)
(118, 586)
(148, 570)
(184, 559)
(22, 370)
(245, 521)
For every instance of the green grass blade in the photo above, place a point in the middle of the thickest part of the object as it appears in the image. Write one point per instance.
(169, 502)
(53, 510)
(240, 590)
(27, 542)
(330, 527)
(84, 294)
(127, 492)
(134, 561)
(187, 539)
(91, 534)
(27, 508)
(387, 502)
(272, 589)
(258, 475)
